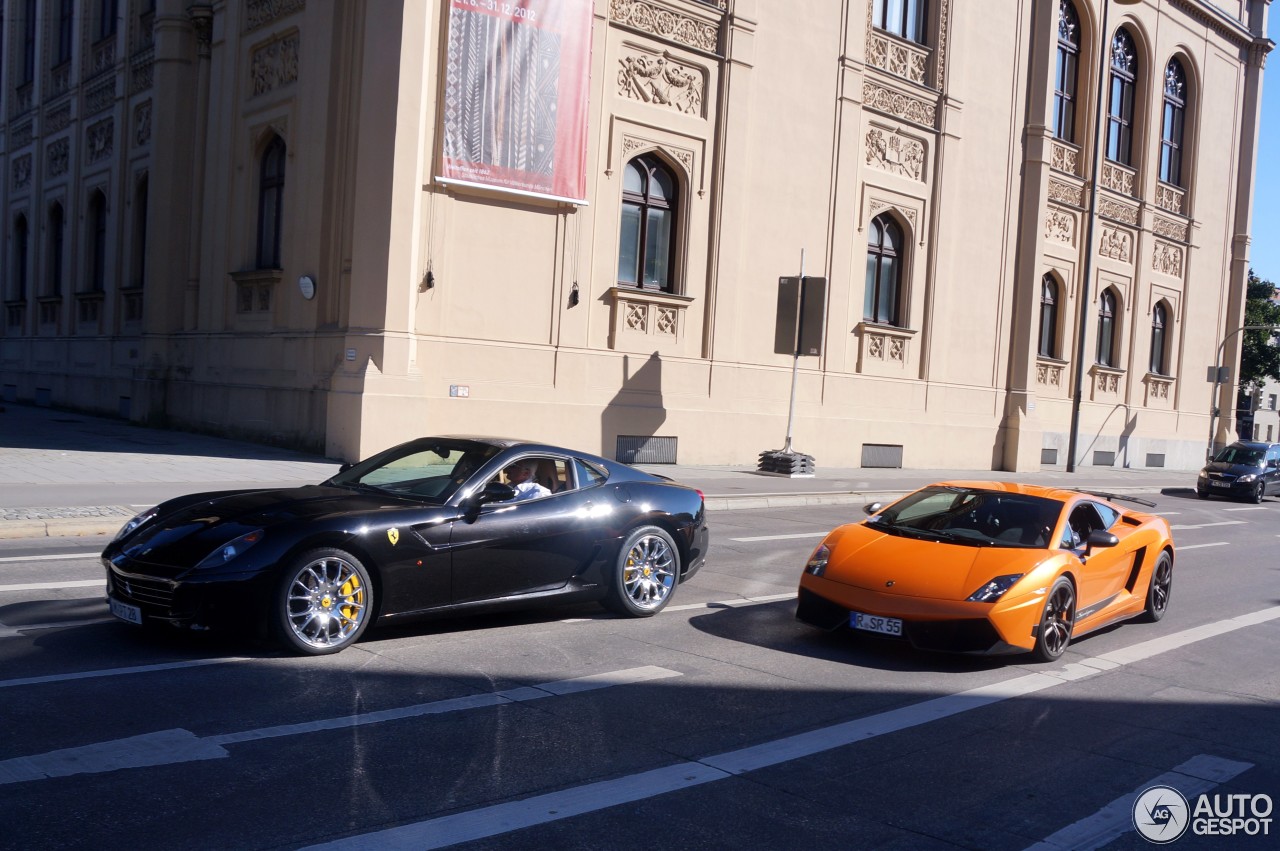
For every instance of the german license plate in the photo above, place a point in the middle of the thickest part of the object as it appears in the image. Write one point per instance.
(875, 623)
(125, 612)
(1221, 484)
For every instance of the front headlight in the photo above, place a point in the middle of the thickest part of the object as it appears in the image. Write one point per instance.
(817, 563)
(128, 528)
(994, 589)
(1204, 474)
(228, 551)
(1248, 477)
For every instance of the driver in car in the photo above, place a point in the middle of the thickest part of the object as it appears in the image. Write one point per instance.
(520, 476)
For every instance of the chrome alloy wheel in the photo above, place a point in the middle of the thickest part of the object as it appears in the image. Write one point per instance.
(1059, 618)
(326, 602)
(649, 572)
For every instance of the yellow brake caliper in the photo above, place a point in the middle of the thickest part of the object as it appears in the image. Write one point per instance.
(350, 590)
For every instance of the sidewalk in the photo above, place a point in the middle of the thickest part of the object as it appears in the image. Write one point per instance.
(72, 474)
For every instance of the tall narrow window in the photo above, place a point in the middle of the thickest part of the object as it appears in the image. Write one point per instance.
(57, 241)
(1107, 328)
(1124, 75)
(1064, 84)
(1159, 317)
(271, 204)
(1048, 347)
(107, 12)
(66, 27)
(140, 234)
(98, 243)
(29, 41)
(21, 246)
(904, 18)
(647, 238)
(1175, 105)
(881, 302)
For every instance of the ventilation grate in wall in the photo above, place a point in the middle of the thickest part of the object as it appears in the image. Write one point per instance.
(881, 455)
(639, 449)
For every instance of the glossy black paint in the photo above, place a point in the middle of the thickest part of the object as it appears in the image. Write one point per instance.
(1222, 476)
(424, 556)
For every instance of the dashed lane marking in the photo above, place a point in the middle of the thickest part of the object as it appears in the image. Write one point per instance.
(1207, 525)
(781, 537)
(54, 557)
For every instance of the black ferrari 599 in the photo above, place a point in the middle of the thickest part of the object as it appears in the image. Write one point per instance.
(438, 525)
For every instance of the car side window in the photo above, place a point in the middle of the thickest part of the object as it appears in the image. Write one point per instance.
(587, 475)
(1108, 515)
(1084, 520)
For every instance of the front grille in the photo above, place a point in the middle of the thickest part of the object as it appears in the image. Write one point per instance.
(143, 589)
(958, 636)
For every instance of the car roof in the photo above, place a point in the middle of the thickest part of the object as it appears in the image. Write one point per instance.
(1044, 491)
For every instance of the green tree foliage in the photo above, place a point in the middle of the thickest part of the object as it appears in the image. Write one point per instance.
(1259, 351)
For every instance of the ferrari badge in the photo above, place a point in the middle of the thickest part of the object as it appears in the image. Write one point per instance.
(393, 535)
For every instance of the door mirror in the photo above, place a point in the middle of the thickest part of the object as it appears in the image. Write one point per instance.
(494, 492)
(1101, 538)
(873, 507)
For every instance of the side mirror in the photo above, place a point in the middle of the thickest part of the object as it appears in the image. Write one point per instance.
(494, 492)
(873, 508)
(1101, 538)
(347, 466)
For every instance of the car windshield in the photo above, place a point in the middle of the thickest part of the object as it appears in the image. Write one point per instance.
(972, 517)
(431, 469)
(1245, 455)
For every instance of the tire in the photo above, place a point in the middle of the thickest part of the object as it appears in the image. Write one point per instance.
(1259, 491)
(1056, 622)
(1202, 494)
(324, 602)
(645, 575)
(1159, 588)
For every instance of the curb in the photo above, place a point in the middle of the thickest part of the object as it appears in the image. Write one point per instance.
(60, 528)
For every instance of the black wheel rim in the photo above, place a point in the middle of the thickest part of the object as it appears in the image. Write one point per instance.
(1059, 617)
(1160, 585)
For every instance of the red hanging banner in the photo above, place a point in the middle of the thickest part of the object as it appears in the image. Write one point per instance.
(516, 92)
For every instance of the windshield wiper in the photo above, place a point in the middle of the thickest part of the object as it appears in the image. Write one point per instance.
(922, 534)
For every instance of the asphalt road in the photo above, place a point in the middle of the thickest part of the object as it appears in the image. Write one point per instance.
(720, 723)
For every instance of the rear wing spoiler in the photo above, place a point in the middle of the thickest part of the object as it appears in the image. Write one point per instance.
(1117, 496)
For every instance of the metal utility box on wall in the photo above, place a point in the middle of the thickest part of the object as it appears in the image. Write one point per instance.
(800, 308)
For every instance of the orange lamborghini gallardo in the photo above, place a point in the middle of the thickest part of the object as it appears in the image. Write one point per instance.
(991, 567)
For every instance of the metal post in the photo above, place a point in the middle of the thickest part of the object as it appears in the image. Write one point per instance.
(795, 359)
(1217, 379)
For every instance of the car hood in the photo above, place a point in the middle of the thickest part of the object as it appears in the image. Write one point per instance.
(193, 529)
(1231, 469)
(889, 564)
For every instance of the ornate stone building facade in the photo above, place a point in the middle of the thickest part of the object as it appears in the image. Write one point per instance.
(227, 216)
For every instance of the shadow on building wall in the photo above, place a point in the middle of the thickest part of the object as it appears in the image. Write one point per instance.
(635, 415)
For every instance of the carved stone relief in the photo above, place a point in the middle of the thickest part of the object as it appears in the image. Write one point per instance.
(877, 205)
(1116, 244)
(142, 123)
(259, 13)
(665, 22)
(100, 97)
(1049, 374)
(274, 64)
(896, 57)
(631, 144)
(1107, 382)
(1115, 210)
(661, 81)
(1169, 198)
(898, 105)
(21, 135)
(1066, 193)
(1117, 178)
(1166, 258)
(1064, 158)
(57, 119)
(99, 140)
(22, 171)
(1171, 230)
(58, 156)
(895, 153)
(1060, 226)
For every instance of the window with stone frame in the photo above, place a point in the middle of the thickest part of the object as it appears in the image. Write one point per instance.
(271, 203)
(1173, 123)
(57, 231)
(1048, 342)
(1120, 99)
(1159, 340)
(882, 298)
(903, 18)
(1067, 73)
(1107, 328)
(647, 237)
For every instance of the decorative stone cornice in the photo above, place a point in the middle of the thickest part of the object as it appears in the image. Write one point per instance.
(1168, 229)
(260, 13)
(1200, 12)
(1066, 193)
(668, 22)
(1112, 209)
(899, 105)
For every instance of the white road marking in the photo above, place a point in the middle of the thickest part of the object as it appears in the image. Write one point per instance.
(734, 603)
(44, 586)
(782, 537)
(500, 819)
(16, 631)
(1182, 547)
(1193, 778)
(167, 747)
(117, 672)
(57, 557)
(1207, 525)
(1249, 508)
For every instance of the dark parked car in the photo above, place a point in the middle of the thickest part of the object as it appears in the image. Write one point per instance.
(438, 525)
(1245, 470)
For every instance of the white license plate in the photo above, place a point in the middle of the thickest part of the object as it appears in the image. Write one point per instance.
(1221, 484)
(125, 612)
(875, 623)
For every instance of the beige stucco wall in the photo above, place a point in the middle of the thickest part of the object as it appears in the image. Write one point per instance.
(796, 142)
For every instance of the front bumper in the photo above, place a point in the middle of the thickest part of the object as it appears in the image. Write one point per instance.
(937, 625)
(220, 600)
(699, 537)
(1218, 487)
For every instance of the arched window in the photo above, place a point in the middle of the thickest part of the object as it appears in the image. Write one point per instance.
(1107, 328)
(1048, 347)
(140, 196)
(646, 253)
(1175, 105)
(108, 11)
(882, 300)
(98, 242)
(57, 241)
(904, 18)
(1124, 75)
(1159, 354)
(66, 31)
(1064, 84)
(271, 204)
(21, 245)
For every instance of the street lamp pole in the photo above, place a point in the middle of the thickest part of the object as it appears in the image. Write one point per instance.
(1100, 116)
(1217, 379)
